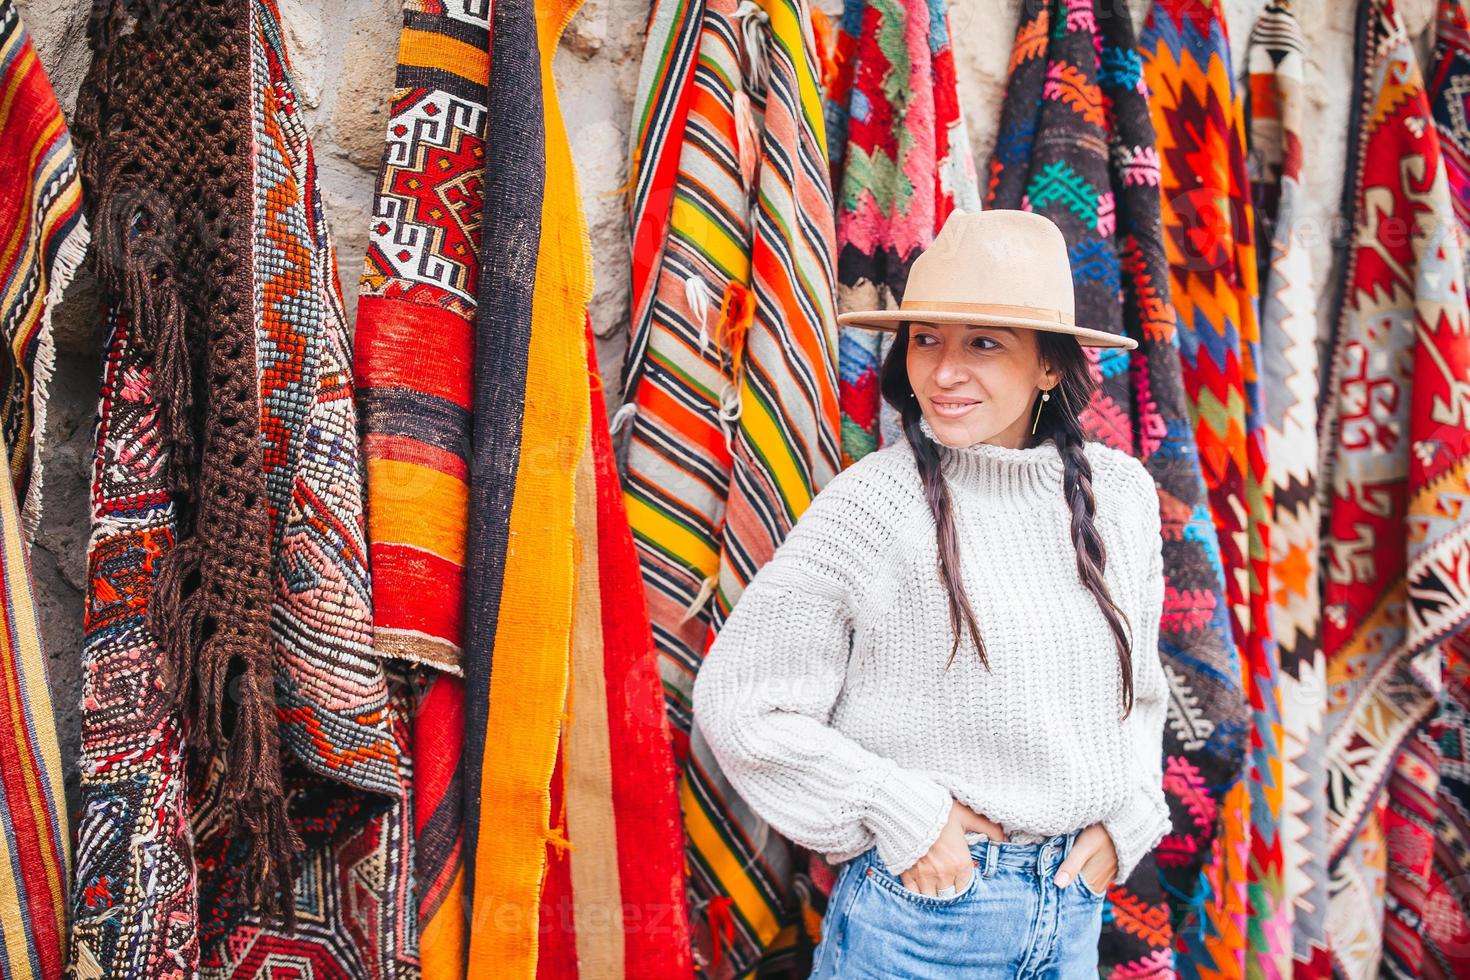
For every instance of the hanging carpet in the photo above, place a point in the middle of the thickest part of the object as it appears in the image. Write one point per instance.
(1396, 475)
(1276, 63)
(46, 237)
(1446, 935)
(1077, 144)
(730, 394)
(244, 767)
(412, 362)
(1210, 242)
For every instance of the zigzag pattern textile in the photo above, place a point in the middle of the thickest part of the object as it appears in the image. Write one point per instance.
(731, 390)
(901, 162)
(343, 709)
(413, 361)
(164, 882)
(1289, 367)
(41, 208)
(1396, 473)
(1210, 241)
(1447, 904)
(1076, 143)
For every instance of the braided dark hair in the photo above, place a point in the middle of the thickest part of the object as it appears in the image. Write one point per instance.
(1061, 423)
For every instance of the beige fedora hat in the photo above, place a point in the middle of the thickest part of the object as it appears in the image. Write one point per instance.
(996, 268)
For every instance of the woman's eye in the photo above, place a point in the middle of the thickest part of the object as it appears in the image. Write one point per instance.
(985, 343)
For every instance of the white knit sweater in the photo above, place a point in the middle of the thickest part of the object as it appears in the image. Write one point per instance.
(825, 697)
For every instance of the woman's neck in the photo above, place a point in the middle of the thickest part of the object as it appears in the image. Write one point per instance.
(1029, 473)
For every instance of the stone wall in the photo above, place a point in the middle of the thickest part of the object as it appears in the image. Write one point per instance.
(343, 53)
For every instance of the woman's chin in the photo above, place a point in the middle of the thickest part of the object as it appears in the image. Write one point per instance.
(958, 432)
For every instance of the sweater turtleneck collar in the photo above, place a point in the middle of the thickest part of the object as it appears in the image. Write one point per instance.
(1027, 474)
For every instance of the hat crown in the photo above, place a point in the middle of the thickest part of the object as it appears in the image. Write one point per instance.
(1001, 258)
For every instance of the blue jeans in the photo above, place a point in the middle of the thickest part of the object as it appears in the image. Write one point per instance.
(1011, 920)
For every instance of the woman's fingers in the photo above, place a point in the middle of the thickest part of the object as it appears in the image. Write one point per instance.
(971, 820)
(1082, 849)
(929, 877)
(927, 880)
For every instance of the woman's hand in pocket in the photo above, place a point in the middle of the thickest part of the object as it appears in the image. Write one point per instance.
(948, 863)
(1092, 855)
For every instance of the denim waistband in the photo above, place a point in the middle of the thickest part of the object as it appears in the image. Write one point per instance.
(1043, 857)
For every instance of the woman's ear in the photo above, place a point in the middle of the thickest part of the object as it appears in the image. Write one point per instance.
(1050, 376)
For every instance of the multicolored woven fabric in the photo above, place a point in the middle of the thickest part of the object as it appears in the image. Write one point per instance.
(1076, 143)
(1210, 240)
(1449, 91)
(41, 208)
(901, 162)
(1289, 369)
(413, 364)
(36, 856)
(731, 384)
(41, 203)
(160, 888)
(529, 428)
(606, 785)
(613, 905)
(1396, 471)
(554, 802)
(1447, 903)
(351, 801)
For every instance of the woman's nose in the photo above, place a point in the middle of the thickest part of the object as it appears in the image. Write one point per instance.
(950, 370)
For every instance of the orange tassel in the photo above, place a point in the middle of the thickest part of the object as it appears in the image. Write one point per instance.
(737, 312)
(825, 36)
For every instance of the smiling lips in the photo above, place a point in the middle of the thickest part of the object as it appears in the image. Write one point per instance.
(952, 407)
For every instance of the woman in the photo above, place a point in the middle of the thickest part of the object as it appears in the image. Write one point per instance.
(947, 678)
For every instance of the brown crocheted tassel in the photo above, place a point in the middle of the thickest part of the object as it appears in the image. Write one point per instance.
(163, 122)
(253, 790)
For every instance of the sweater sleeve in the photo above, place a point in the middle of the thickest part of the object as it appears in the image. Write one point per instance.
(764, 694)
(1141, 821)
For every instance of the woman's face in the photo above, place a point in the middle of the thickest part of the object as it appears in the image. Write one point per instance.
(976, 384)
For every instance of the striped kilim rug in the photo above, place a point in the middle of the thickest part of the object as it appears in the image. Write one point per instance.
(41, 209)
(559, 775)
(1396, 474)
(730, 391)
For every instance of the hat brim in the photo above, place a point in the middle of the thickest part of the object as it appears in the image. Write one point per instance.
(890, 319)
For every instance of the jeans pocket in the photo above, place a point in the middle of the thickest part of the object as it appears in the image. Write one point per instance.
(894, 885)
(1088, 890)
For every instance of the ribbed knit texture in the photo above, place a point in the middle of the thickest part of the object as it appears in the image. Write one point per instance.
(826, 698)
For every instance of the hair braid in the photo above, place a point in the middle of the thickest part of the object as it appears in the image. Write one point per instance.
(1092, 554)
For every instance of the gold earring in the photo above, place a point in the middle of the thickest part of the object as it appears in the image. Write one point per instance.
(1045, 397)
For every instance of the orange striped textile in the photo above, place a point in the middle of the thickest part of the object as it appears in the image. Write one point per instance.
(569, 808)
(730, 393)
(43, 237)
